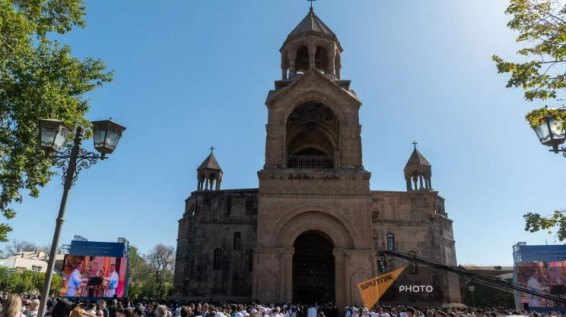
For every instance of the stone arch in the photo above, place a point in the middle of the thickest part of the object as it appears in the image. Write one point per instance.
(337, 229)
(302, 59)
(312, 136)
(314, 94)
(322, 56)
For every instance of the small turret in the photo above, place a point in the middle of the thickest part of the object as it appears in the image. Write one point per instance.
(418, 172)
(209, 173)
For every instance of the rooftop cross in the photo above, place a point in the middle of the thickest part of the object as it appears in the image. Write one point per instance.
(211, 149)
(415, 144)
(311, 3)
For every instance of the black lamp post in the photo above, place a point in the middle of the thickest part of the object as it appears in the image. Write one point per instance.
(72, 159)
(553, 133)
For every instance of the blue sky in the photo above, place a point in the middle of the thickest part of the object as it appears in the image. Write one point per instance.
(192, 74)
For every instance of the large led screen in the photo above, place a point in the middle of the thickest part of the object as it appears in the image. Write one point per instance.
(94, 276)
(548, 277)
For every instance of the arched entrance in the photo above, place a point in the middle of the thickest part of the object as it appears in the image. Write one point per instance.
(313, 269)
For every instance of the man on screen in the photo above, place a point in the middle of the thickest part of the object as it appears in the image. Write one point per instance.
(112, 281)
(536, 283)
(75, 280)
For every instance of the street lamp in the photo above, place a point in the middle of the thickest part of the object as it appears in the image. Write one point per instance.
(553, 132)
(53, 135)
(472, 289)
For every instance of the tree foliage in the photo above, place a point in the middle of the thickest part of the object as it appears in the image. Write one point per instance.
(151, 275)
(39, 78)
(139, 272)
(555, 223)
(161, 261)
(541, 26)
(27, 281)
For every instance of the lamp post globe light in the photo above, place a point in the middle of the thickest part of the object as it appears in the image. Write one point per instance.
(552, 132)
(71, 158)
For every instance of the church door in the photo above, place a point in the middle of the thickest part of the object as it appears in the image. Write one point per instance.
(313, 269)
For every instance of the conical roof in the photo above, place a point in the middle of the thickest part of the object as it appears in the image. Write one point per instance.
(210, 163)
(311, 23)
(417, 160)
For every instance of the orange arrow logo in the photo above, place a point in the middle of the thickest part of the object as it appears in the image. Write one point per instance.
(372, 289)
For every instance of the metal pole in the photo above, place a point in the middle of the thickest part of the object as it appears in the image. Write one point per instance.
(473, 301)
(70, 173)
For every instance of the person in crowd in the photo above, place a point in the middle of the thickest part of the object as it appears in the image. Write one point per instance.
(150, 309)
(186, 311)
(79, 312)
(33, 308)
(125, 312)
(139, 311)
(104, 309)
(161, 311)
(62, 308)
(91, 309)
(313, 309)
(12, 306)
(204, 310)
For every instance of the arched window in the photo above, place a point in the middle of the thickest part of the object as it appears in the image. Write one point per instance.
(413, 265)
(237, 241)
(390, 242)
(251, 259)
(217, 259)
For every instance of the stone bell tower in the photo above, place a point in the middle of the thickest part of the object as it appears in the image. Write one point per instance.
(314, 233)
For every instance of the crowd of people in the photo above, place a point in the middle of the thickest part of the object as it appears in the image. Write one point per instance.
(14, 305)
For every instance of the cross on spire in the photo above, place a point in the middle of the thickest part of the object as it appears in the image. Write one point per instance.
(211, 149)
(415, 144)
(311, 3)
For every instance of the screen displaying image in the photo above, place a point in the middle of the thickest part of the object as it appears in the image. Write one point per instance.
(94, 276)
(547, 277)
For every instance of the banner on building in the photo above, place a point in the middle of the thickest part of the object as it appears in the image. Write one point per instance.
(372, 289)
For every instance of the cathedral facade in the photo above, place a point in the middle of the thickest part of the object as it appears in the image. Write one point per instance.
(313, 228)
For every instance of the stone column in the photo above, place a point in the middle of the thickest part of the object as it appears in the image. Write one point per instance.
(340, 274)
(332, 65)
(312, 53)
(286, 264)
(292, 70)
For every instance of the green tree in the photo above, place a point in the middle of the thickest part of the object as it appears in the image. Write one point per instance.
(541, 26)
(161, 261)
(140, 273)
(39, 78)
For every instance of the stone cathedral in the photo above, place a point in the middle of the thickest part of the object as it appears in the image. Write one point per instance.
(313, 228)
